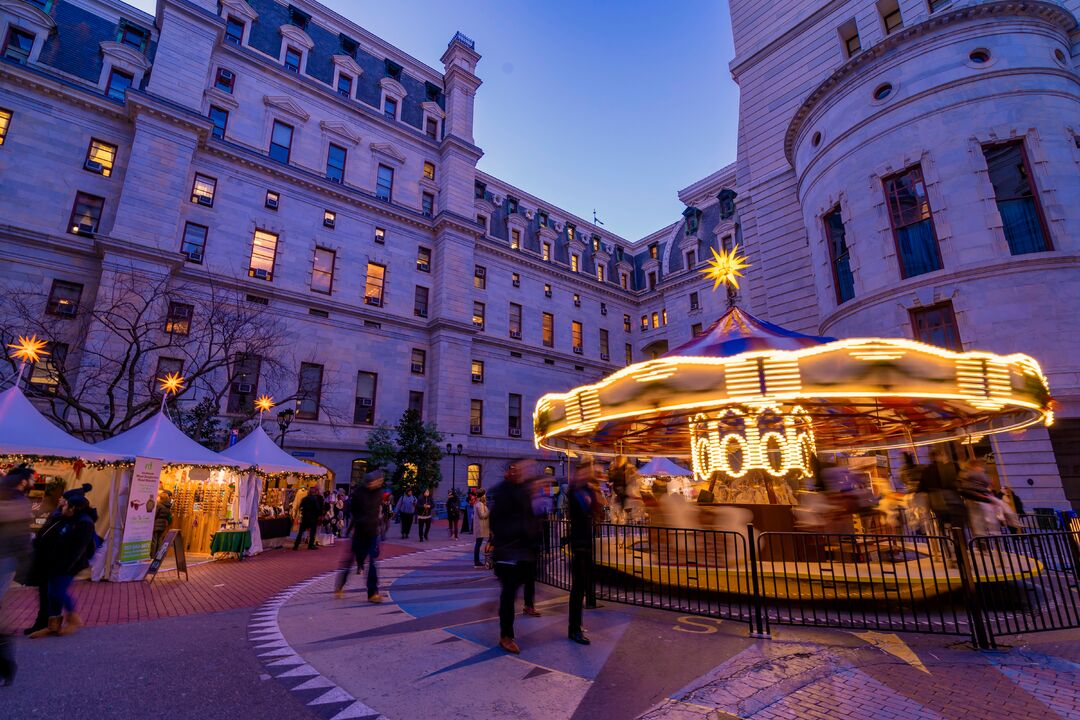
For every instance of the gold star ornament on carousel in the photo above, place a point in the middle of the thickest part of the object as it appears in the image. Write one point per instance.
(726, 268)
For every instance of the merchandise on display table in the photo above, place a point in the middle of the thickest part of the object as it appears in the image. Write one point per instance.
(204, 502)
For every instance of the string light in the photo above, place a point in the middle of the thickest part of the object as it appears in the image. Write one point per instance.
(725, 268)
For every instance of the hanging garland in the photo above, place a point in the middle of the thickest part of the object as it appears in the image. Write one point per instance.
(12, 460)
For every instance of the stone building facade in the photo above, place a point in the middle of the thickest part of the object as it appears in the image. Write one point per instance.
(285, 153)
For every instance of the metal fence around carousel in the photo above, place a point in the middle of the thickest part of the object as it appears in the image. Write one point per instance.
(983, 587)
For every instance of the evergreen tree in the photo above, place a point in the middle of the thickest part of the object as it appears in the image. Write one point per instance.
(418, 454)
(382, 448)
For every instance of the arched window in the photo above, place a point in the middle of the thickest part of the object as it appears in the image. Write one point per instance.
(473, 474)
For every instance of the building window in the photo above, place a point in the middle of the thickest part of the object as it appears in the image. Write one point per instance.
(329, 219)
(374, 285)
(482, 221)
(624, 281)
(132, 36)
(644, 322)
(86, 214)
(263, 255)
(384, 183)
(322, 270)
(64, 298)
(480, 277)
(335, 163)
(654, 252)
(344, 85)
(273, 200)
(427, 204)
(167, 366)
(691, 259)
(890, 15)
(511, 206)
(695, 329)
(45, 375)
(576, 336)
(309, 391)
(364, 410)
(694, 303)
(281, 142)
(423, 259)
(234, 30)
(655, 320)
(577, 300)
(605, 348)
(416, 403)
(380, 235)
(476, 417)
(835, 236)
(357, 470)
(663, 316)
(652, 280)
(100, 157)
(693, 218)
(515, 239)
(477, 370)
(515, 279)
(202, 190)
(513, 415)
(420, 301)
(1021, 216)
(546, 252)
(626, 323)
(18, 45)
(548, 330)
(178, 318)
(479, 190)
(600, 273)
(429, 170)
(515, 321)
(570, 231)
(220, 120)
(575, 261)
(224, 80)
(547, 290)
(390, 108)
(432, 128)
(542, 218)
(912, 223)
(936, 325)
(603, 309)
(936, 5)
(478, 315)
(244, 384)
(849, 38)
(5, 123)
(118, 84)
(292, 59)
(193, 244)
(418, 361)
(629, 354)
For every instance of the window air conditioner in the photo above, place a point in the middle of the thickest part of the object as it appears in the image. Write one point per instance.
(516, 334)
(67, 308)
(577, 303)
(333, 179)
(329, 222)
(94, 166)
(478, 323)
(477, 378)
(420, 313)
(515, 432)
(365, 402)
(272, 203)
(206, 200)
(260, 273)
(369, 300)
(244, 388)
(474, 429)
(85, 229)
(547, 293)
(195, 257)
(226, 75)
(481, 272)
(578, 351)
(423, 267)
(517, 283)
(418, 368)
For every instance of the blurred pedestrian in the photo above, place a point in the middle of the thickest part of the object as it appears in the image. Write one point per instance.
(311, 510)
(467, 511)
(585, 508)
(406, 509)
(940, 481)
(60, 553)
(482, 526)
(365, 506)
(453, 512)
(163, 518)
(979, 501)
(424, 509)
(514, 536)
(386, 514)
(16, 512)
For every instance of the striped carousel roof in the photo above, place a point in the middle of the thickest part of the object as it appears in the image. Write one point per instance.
(737, 332)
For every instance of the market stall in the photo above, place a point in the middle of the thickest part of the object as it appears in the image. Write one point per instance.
(271, 471)
(204, 486)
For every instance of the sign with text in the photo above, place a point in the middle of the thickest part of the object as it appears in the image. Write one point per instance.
(141, 504)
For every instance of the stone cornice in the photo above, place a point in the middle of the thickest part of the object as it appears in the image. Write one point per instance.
(286, 105)
(87, 97)
(340, 130)
(1039, 9)
(347, 65)
(140, 102)
(30, 16)
(455, 144)
(220, 98)
(392, 87)
(238, 8)
(293, 34)
(562, 272)
(433, 109)
(446, 221)
(124, 55)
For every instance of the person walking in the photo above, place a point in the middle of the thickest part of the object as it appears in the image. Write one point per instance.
(584, 509)
(16, 512)
(467, 511)
(311, 512)
(481, 526)
(453, 513)
(66, 550)
(406, 508)
(365, 505)
(163, 518)
(514, 536)
(424, 508)
(386, 514)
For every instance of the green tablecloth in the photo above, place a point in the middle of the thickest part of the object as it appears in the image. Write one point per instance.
(230, 541)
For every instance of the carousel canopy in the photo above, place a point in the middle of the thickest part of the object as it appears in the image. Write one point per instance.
(737, 331)
(159, 438)
(25, 431)
(661, 466)
(259, 450)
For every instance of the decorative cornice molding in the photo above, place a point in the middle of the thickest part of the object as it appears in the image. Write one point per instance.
(393, 87)
(124, 55)
(389, 152)
(347, 65)
(85, 97)
(433, 109)
(294, 34)
(340, 130)
(286, 105)
(239, 8)
(220, 98)
(31, 16)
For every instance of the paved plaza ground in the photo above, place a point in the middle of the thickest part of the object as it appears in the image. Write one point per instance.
(266, 638)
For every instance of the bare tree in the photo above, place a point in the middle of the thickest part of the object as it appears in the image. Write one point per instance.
(107, 353)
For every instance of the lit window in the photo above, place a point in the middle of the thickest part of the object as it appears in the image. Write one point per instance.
(626, 323)
(624, 281)
(234, 30)
(100, 158)
(118, 84)
(273, 200)
(329, 219)
(604, 348)
(912, 223)
(292, 59)
(202, 190)
(663, 316)
(575, 262)
(64, 298)
(513, 415)
(656, 320)
(547, 290)
(644, 322)
(178, 318)
(364, 412)
(548, 330)
(600, 273)
(194, 243)
(322, 270)
(344, 85)
(86, 214)
(654, 252)
(263, 255)
(5, 123)
(836, 238)
(423, 259)
(936, 325)
(281, 142)
(309, 391)
(477, 371)
(476, 417)
(577, 300)
(419, 361)
(576, 336)
(384, 183)
(695, 329)
(478, 315)
(390, 108)
(225, 80)
(380, 235)
(480, 277)
(1021, 216)
(515, 239)
(427, 204)
(547, 251)
(429, 170)
(45, 375)
(220, 119)
(420, 301)
(694, 303)
(515, 321)
(570, 230)
(629, 354)
(335, 163)
(18, 45)
(373, 287)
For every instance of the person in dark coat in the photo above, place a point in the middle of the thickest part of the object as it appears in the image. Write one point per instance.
(65, 551)
(406, 510)
(311, 512)
(365, 505)
(584, 508)
(514, 535)
(940, 480)
(453, 512)
(15, 517)
(38, 575)
(425, 507)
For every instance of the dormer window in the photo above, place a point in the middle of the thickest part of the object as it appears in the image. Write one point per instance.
(132, 36)
(119, 82)
(570, 232)
(348, 45)
(344, 85)
(234, 30)
(292, 59)
(298, 17)
(596, 243)
(891, 18)
(479, 190)
(433, 91)
(390, 108)
(393, 70)
(654, 252)
(542, 217)
(511, 205)
(693, 219)
(17, 46)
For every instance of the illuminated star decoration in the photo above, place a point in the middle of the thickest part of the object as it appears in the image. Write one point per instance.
(726, 268)
(29, 349)
(171, 384)
(264, 403)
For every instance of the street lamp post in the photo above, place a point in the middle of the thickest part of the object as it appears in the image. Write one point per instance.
(284, 420)
(453, 453)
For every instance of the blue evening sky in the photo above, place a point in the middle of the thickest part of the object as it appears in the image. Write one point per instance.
(606, 104)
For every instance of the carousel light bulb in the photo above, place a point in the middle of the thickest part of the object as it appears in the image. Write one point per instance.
(171, 384)
(29, 349)
(264, 403)
(726, 267)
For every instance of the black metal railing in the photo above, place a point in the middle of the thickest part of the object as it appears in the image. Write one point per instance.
(943, 584)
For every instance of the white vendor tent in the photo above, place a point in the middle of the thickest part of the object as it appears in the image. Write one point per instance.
(263, 455)
(662, 467)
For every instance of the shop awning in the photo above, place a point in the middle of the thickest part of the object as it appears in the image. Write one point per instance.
(259, 450)
(661, 466)
(159, 438)
(25, 431)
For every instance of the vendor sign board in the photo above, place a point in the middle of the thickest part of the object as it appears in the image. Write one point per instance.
(141, 504)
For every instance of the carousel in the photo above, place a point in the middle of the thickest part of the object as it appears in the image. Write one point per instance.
(751, 406)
